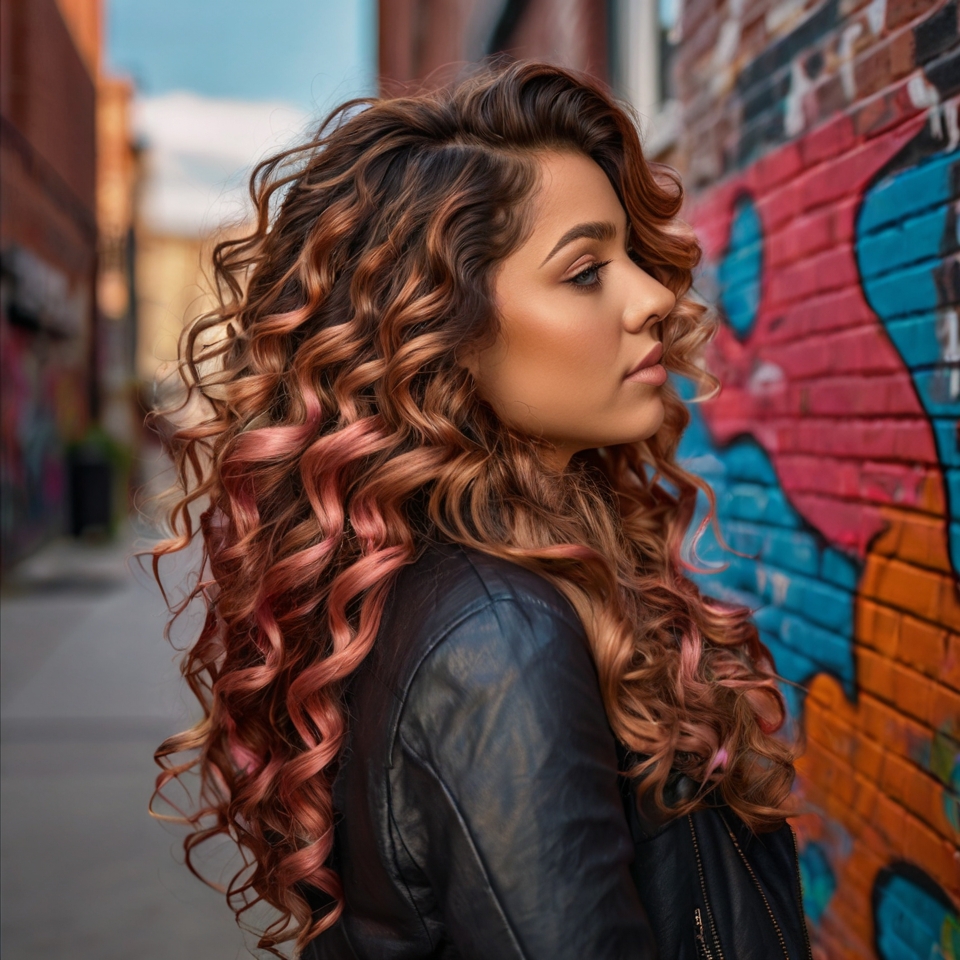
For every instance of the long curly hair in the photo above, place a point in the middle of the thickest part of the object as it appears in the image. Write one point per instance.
(336, 430)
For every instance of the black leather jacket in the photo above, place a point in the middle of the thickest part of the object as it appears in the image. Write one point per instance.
(481, 814)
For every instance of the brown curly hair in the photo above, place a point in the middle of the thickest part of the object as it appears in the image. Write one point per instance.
(341, 431)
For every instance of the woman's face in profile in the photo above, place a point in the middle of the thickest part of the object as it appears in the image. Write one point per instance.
(576, 362)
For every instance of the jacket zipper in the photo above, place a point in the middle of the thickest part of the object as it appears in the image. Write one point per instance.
(703, 889)
(704, 950)
(756, 883)
(798, 892)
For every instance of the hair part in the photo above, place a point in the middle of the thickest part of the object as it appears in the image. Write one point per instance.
(341, 430)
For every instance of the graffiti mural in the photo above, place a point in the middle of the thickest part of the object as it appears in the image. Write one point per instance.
(826, 177)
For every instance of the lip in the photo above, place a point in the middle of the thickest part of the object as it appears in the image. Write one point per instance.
(649, 369)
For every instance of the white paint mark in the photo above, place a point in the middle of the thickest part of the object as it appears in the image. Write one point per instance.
(800, 84)
(781, 17)
(727, 43)
(876, 15)
(921, 93)
(948, 333)
(766, 378)
(781, 584)
(845, 53)
(924, 95)
(951, 117)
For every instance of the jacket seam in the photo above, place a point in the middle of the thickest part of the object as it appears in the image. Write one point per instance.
(466, 832)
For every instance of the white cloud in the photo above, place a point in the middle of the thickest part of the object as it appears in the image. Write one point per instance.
(199, 155)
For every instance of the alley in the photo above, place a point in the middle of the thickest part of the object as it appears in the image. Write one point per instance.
(89, 688)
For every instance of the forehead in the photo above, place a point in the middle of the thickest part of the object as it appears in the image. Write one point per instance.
(572, 189)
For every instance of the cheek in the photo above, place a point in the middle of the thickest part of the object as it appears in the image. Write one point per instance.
(564, 342)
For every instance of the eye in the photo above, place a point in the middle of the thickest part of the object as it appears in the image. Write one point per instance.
(590, 277)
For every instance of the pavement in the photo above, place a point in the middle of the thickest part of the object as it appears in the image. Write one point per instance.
(88, 688)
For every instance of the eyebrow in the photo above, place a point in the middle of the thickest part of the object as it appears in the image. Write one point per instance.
(594, 230)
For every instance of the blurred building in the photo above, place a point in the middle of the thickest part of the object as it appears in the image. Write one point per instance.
(196, 156)
(118, 182)
(429, 40)
(66, 216)
(48, 249)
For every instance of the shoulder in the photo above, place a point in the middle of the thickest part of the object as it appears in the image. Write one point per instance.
(453, 600)
(477, 642)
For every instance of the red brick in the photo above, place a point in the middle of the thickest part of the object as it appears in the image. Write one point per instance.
(825, 475)
(903, 55)
(845, 176)
(777, 167)
(830, 96)
(828, 140)
(779, 206)
(883, 393)
(912, 440)
(894, 483)
(811, 234)
(836, 310)
(900, 12)
(873, 71)
(863, 350)
(835, 269)
(848, 525)
(843, 219)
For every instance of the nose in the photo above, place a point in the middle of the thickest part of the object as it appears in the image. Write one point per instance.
(649, 301)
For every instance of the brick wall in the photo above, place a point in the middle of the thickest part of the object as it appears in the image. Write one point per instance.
(820, 148)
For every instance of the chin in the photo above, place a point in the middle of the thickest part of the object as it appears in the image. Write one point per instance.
(652, 420)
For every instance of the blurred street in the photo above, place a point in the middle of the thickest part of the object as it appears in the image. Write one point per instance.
(89, 689)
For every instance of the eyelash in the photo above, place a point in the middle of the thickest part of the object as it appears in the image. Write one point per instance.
(596, 268)
(593, 268)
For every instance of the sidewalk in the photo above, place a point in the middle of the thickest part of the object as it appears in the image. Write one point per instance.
(88, 689)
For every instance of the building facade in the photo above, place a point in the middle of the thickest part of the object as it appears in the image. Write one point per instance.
(431, 40)
(48, 248)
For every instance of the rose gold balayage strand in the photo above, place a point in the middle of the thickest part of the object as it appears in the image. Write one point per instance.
(342, 431)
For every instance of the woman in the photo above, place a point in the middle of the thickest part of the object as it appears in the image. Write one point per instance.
(459, 698)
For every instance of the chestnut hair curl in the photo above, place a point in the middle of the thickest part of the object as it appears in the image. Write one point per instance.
(342, 431)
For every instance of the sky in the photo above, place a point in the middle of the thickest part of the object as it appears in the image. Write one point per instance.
(222, 83)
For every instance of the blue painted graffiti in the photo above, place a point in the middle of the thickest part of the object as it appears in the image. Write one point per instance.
(817, 880)
(913, 918)
(740, 271)
(800, 589)
(905, 232)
